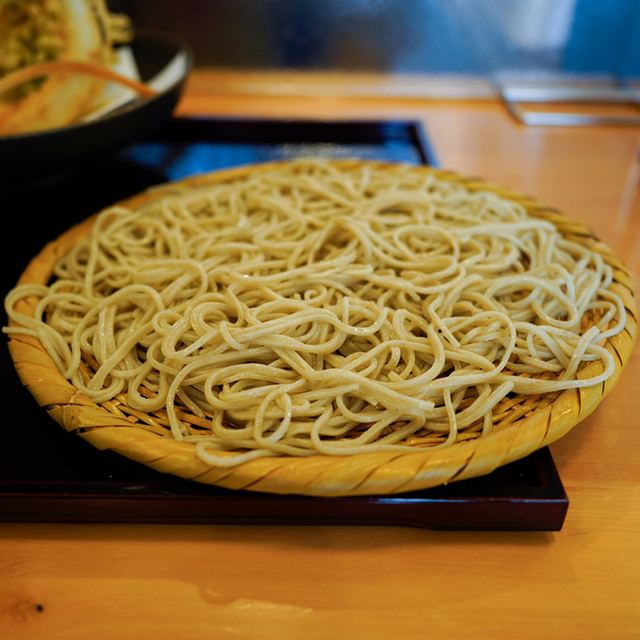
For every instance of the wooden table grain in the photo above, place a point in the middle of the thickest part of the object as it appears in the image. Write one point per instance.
(198, 581)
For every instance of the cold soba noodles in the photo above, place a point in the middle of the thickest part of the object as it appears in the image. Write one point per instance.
(319, 308)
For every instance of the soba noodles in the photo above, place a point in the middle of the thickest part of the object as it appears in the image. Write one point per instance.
(317, 309)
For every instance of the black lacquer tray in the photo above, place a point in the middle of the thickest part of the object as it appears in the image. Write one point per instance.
(49, 475)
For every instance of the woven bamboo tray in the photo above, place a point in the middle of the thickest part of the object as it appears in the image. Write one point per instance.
(525, 424)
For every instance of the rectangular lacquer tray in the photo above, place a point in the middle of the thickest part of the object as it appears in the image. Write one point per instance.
(48, 475)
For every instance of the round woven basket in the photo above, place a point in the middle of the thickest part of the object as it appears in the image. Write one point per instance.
(522, 425)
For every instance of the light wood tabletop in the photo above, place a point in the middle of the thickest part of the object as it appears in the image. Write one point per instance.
(79, 581)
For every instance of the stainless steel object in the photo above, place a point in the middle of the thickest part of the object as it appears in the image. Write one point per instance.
(514, 96)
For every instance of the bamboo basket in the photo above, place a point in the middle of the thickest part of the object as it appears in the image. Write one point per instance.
(524, 423)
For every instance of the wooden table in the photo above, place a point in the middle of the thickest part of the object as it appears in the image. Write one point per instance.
(126, 581)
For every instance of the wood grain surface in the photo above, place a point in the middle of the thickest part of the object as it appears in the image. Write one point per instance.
(126, 581)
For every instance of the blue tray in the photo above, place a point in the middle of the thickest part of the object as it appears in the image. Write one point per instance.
(49, 475)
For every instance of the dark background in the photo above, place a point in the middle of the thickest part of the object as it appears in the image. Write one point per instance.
(480, 37)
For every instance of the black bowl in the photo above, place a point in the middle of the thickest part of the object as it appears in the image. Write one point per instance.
(36, 157)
